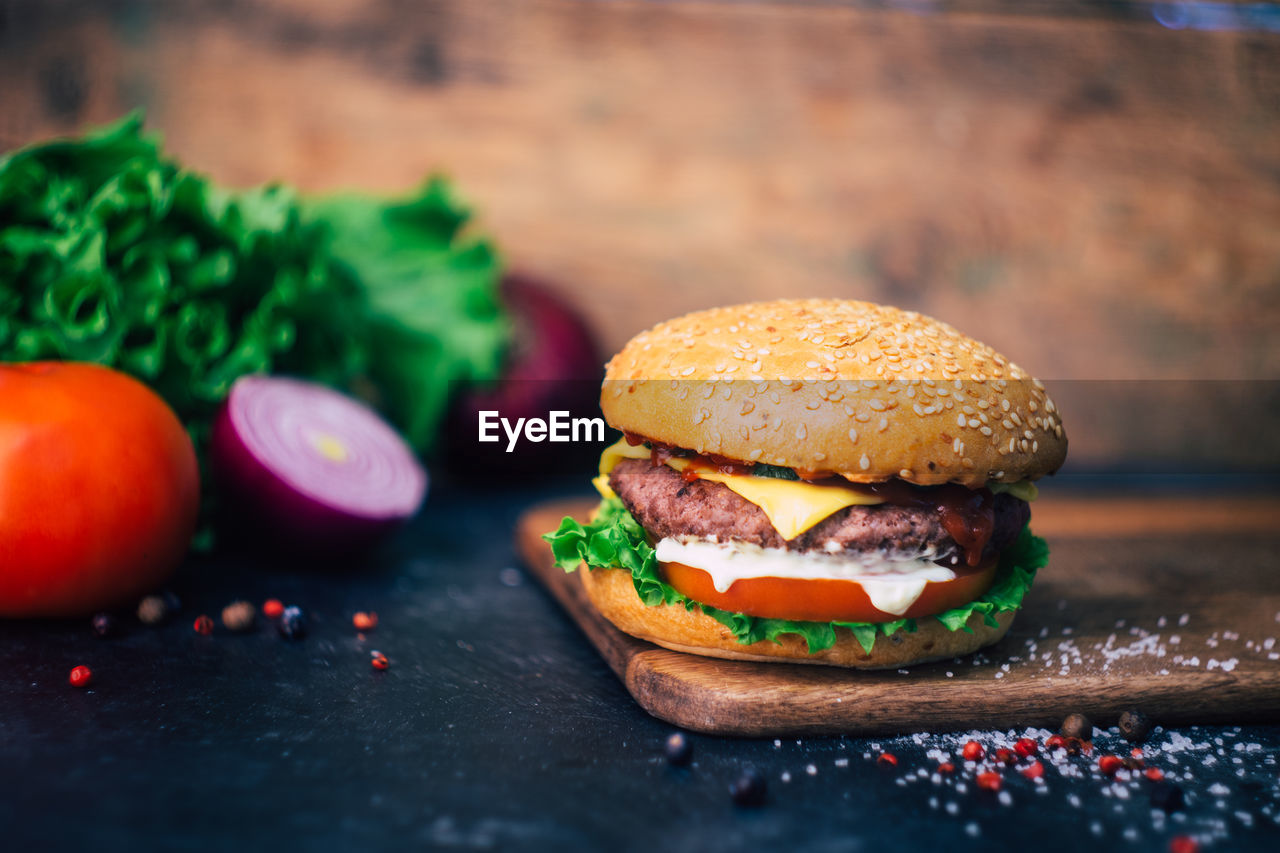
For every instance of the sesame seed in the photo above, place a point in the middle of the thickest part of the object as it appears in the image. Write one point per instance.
(864, 463)
(688, 371)
(986, 430)
(853, 435)
(884, 424)
(754, 455)
(974, 423)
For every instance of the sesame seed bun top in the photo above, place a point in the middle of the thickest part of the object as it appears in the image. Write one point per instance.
(865, 391)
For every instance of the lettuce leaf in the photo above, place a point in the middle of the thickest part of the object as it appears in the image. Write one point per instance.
(613, 539)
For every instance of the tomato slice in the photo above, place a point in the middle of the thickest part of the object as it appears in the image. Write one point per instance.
(822, 600)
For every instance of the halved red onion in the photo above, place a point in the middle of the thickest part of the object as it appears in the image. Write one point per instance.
(312, 467)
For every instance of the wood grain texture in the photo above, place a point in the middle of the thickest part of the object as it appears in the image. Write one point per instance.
(1093, 194)
(1146, 614)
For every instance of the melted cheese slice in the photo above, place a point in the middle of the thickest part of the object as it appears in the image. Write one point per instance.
(892, 584)
(793, 506)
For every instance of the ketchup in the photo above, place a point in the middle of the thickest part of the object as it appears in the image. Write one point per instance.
(968, 515)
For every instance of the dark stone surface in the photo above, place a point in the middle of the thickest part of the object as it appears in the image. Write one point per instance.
(496, 727)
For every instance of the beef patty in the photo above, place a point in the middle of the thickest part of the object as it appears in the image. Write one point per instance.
(666, 505)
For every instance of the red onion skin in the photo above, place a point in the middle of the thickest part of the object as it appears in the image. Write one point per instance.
(554, 363)
(271, 513)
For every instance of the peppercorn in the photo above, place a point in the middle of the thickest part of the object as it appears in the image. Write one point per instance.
(887, 759)
(365, 621)
(973, 751)
(1167, 796)
(238, 616)
(1134, 726)
(203, 625)
(293, 623)
(1025, 747)
(749, 789)
(1035, 771)
(1155, 774)
(1109, 764)
(946, 767)
(1006, 756)
(1053, 742)
(1183, 844)
(105, 625)
(1077, 726)
(153, 610)
(678, 749)
(272, 608)
(1075, 746)
(379, 660)
(989, 781)
(80, 676)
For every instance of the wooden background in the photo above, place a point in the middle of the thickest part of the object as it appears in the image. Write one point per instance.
(1095, 194)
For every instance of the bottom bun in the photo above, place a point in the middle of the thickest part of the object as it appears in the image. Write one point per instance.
(692, 631)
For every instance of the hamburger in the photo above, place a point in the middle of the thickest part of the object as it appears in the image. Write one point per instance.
(818, 481)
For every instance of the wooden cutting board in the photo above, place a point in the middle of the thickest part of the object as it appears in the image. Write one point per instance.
(1170, 606)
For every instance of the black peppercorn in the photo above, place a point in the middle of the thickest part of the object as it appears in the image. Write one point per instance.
(679, 750)
(1077, 725)
(749, 788)
(105, 625)
(1135, 726)
(293, 623)
(1166, 796)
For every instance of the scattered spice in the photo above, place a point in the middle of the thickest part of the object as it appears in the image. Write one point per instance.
(1135, 726)
(365, 621)
(988, 781)
(1053, 742)
(80, 676)
(973, 751)
(1035, 771)
(749, 789)
(1183, 844)
(272, 608)
(1155, 774)
(678, 749)
(1167, 796)
(238, 616)
(1006, 756)
(293, 623)
(1109, 764)
(887, 759)
(153, 610)
(379, 660)
(105, 625)
(1025, 747)
(203, 624)
(946, 767)
(1077, 726)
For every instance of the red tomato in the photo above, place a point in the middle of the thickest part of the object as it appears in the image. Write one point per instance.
(821, 600)
(99, 489)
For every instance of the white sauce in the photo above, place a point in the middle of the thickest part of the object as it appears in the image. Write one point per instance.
(893, 583)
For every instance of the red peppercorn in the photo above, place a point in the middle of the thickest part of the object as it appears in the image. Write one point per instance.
(988, 781)
(973, 751)
(1025, 747)
(1155, 774)
(203, 625)
(379, 660)
(272, 608)
(1006, 756)
(1183, 844)
(1053, 742)
(1035, 771)
(1109, 764)
(365, 621)
(1075, 746)
(946, 767)
(1136, 752)
(887, 759)
(80, 676)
